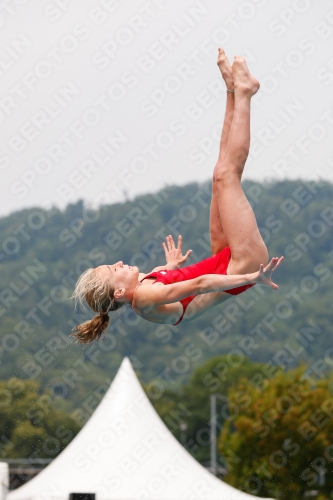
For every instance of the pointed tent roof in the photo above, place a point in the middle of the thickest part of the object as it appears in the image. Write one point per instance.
(125, 452)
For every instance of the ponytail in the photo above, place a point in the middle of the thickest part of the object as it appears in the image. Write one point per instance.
(100, 298)
(92, 330)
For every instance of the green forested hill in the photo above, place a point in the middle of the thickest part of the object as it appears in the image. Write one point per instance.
(43, 252)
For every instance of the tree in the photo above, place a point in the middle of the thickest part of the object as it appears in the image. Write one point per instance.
(31, 425)
(278, 440)
(191, 404)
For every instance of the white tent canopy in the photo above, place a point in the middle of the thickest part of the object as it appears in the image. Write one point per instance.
(125, 452)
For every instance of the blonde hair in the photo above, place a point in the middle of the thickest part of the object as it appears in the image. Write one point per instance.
(99, 295)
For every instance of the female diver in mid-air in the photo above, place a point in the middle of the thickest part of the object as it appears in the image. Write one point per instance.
(171, 295)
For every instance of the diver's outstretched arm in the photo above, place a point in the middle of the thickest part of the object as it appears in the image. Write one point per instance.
(150, 296)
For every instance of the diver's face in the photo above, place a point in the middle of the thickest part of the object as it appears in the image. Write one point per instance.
(119, 275)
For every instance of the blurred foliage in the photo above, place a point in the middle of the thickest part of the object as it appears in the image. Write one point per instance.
(31, 424)
(191, 404)
(277, 440)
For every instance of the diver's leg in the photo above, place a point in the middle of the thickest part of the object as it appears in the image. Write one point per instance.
(218, 239)
(248, 249)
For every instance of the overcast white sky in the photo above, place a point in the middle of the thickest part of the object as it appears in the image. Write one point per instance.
(105, 99)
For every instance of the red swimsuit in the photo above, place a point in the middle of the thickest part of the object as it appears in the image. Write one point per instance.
(217, 264)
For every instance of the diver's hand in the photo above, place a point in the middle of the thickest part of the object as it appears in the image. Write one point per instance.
(265, 273)
(173, 254)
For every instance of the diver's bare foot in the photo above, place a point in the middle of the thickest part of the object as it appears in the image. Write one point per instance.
(243, 80)
(225, 68)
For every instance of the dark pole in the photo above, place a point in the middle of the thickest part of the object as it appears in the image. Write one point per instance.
(183, 429)
(213, 464)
